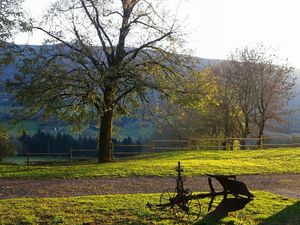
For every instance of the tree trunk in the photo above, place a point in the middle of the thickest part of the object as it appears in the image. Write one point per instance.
(227, 134)
(226, 143)
(245, 133)
(105, 143)
(105, 135)
(260, 135)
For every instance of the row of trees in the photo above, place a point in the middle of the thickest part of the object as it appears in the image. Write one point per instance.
(257, 89)
(61, 143)
(42, 142)
(242, 96)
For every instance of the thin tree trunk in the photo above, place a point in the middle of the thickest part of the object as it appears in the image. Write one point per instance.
(227, 133)
(226, 144)
(245, 133)
(260, 135)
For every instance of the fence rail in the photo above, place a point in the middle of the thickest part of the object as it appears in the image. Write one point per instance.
(157, 146)
(66, 156)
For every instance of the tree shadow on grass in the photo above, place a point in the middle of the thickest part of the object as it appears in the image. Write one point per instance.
(222, 210)
(288, 216)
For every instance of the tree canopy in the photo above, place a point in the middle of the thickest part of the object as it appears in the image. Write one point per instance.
(234, 98)
(100, 55)
(11, 18)
(11, 22)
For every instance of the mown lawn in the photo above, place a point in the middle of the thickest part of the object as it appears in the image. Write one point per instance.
(266, 208)
(194, 162)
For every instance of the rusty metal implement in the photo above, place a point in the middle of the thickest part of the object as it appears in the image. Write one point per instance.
(183, 203)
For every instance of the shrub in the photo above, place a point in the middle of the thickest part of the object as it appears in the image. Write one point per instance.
(6, 146)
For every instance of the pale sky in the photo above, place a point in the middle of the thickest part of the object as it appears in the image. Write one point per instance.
(217, 27)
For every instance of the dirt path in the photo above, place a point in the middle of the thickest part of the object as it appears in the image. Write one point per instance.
(287, 185)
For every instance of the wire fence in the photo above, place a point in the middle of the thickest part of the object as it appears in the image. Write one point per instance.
(207, 144)
(158, 146)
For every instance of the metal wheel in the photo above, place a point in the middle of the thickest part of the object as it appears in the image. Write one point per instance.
(167, 198)
(188, 192)
(186, 209)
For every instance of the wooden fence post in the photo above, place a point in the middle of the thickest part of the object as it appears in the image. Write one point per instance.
(27, 156)
(153, 151)
(112, 150)
(71, 156)
(227, 143)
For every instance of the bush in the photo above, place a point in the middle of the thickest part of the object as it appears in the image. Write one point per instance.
(6, 146)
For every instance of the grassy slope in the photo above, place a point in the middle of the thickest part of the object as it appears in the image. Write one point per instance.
(266, 208)
(31, 127)
(194, 162)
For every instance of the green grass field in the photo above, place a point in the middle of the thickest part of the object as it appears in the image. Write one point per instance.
(163, 164)
(266, 209)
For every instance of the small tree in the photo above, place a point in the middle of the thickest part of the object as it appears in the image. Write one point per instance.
(10, 22)
(184, 114)
(240, 74)
(227, 111)
(6, 147)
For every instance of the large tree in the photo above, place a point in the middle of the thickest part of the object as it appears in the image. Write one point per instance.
(274, 85)
(103, 55)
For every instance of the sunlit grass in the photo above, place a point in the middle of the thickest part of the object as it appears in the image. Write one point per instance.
(266, 208)
(194, 162)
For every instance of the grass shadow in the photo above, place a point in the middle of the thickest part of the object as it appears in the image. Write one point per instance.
(222, 210)
(289, 216)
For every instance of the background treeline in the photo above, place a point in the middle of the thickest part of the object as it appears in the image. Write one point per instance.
(247, 95)
(42, 142)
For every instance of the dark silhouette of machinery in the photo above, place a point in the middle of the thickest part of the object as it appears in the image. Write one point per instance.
(183, 202)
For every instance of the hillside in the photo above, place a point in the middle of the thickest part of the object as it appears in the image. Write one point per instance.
(295, 103)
